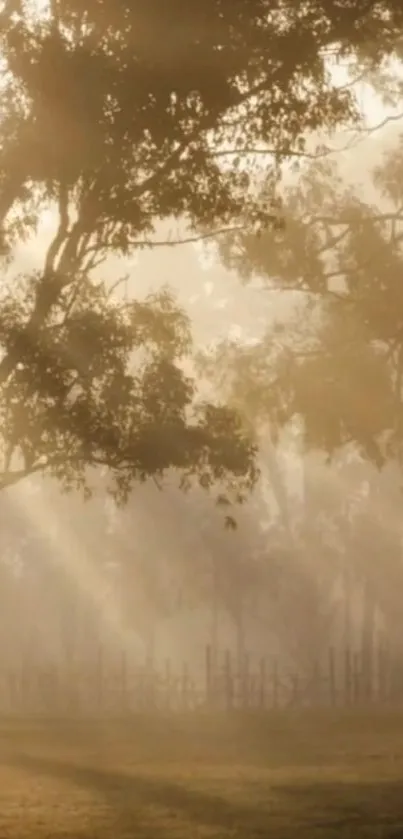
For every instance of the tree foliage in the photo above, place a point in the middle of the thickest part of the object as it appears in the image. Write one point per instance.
(130, 106)
(119, 116)
(337, 362)
(102, 383)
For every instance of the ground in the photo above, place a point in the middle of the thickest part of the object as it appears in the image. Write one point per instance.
(311, 776)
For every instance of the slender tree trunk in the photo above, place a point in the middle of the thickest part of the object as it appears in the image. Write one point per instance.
(151, 645)
(276, 479)
(347, 597)
(368, 631)
(214, 614)
(240, 638)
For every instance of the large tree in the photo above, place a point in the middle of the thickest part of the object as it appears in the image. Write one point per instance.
(119, 116)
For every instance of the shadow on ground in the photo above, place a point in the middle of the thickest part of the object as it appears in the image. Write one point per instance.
(317, 810)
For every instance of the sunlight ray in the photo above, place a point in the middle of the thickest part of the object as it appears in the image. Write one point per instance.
(80, 569)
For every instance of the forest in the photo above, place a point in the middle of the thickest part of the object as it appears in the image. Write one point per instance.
(201, 332)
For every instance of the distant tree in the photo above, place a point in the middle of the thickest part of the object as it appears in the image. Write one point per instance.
(336, 362)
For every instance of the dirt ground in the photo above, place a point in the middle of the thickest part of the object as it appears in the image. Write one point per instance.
(307, 775)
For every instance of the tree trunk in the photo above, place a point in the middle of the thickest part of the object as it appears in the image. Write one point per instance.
(240, 638)
(368, 631)
(275, 477)
(214, 615)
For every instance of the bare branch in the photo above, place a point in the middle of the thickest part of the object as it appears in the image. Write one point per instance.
(287, 153)
(366, 131)
(276, 287)
(193, 239)
(8, 479)
(346, 220)
(169, 242)
(333, 241)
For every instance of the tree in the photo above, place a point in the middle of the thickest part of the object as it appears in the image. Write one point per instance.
(128, 97)
(77, 397)
(336, 363)
(332, 566)
(118, 119)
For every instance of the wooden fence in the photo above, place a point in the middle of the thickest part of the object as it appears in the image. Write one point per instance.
(344, 679)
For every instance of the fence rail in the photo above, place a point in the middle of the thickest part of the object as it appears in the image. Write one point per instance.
(343, 680)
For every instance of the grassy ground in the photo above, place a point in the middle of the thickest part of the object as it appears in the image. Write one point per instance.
(308, 776)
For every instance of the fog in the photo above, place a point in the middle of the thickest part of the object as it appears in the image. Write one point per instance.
(162, 579)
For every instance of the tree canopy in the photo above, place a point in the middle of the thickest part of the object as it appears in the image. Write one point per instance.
(119, 116)
(337, 363)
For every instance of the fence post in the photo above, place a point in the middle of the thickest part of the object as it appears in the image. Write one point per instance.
(151, 696)
(357, 677)
(383, 675)
(100, 679)
(387, 674)
(185, 687)
(25, 687)
(228, 681)
(123, 682)
(168, 683)
(209, 686)
(275, 683)
(348, 696)
(262, 683)
(332, 677)
(245, 682)
(295, 689)
(316, 684)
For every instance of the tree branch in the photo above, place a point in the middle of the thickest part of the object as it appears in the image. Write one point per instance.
(187, 240)
(262, 152)
(371, 129)
(171, 243)
(50, 286)
(352, 220)
(8, 479)
(62, 230)
(202, 128)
